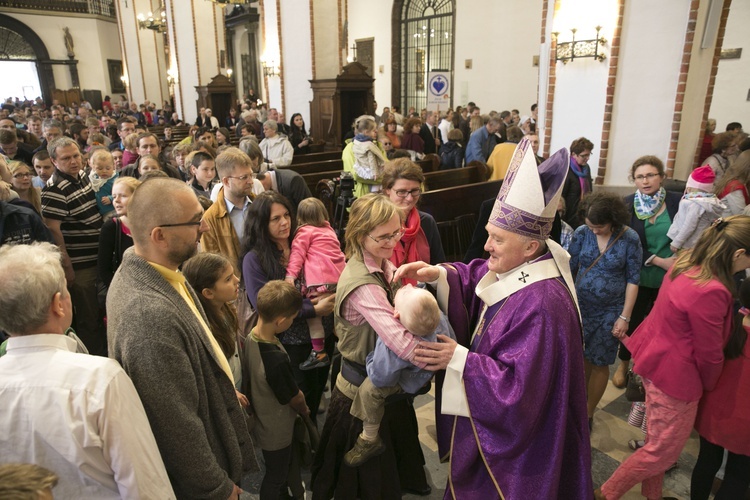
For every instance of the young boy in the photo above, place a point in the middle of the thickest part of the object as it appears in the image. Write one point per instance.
(387, 374)
(275, 396)
(102, 180)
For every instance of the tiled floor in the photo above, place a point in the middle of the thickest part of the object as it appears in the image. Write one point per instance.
(609, 443)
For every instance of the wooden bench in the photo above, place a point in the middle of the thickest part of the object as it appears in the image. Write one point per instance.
(316, 157)
(455, 177)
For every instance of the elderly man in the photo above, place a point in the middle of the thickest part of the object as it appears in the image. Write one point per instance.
(430, 133)
(479, 145)
(76, 414)
(70, 212)
(512, 410)
(51, 130)
(277, 149)
(287, 182)
(159, 333)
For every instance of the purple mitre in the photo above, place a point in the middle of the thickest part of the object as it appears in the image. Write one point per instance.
(528, 198)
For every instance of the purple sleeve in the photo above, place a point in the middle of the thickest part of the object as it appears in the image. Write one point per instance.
(254, 278)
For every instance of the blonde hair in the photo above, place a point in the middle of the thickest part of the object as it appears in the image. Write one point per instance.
(422, 315)
(96, 153)
(312, 212)
(25, 481)
(367, 213)
(229, 159)
(131, 182)
(130, 142)
(713, 255)
(35, 198)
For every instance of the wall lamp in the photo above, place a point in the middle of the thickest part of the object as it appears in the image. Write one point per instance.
(270, 68)
(151, 23)
(576, 49)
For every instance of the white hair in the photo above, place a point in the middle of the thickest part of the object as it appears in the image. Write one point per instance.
(30, 275)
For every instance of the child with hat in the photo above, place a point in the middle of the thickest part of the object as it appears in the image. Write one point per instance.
(699, 207)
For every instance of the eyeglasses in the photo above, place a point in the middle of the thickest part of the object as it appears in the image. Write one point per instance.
(403, 193)
(191, 223)
(21, 176)
(382, 239)
(241, 178)
(646, 177)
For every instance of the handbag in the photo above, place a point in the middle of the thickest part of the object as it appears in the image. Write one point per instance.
(102, 288)
(634, 390)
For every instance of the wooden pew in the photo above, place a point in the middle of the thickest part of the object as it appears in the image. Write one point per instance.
(456, 209)
(312, 179)
(316, 157)
(455, 177)
(320, 166)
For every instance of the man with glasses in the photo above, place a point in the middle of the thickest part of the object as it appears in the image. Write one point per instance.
(160, 335)
(70, 212)
(578, 182)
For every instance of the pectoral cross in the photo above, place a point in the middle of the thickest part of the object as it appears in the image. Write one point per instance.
(523, 277)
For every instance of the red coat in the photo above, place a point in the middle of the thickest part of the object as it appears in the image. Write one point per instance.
(724, 413)
(679, 346)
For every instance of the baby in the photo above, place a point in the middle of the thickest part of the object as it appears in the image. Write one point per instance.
(387, 374)
(699, 207)
(102, 178)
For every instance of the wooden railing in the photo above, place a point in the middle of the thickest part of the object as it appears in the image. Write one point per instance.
(104, 8)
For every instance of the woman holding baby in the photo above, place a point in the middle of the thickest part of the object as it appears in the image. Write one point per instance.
(364, 313)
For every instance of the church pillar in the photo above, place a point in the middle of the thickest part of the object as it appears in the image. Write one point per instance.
(197, 49)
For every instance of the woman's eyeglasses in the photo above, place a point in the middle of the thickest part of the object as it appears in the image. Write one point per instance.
(645, 177)
(388, 237)
(403, 193)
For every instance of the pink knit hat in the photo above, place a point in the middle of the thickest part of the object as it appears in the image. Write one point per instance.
(702, 178)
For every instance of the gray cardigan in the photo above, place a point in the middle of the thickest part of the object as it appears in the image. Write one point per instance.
(191, 404)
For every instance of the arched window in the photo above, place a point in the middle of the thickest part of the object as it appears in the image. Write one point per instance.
(424, 37)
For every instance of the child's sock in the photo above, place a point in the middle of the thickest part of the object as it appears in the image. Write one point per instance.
(318, 344)
(370, 431)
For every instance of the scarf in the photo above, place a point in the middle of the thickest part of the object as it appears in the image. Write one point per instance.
(646, 206)
(583, 172)
(363, 138)
(413, 246)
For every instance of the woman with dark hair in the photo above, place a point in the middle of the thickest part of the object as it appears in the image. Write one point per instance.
(578, 182)
(605, 260)
(734, 187)
(652, 210)
(724, 146)
(269, 227)
(402, 184)
(391, 128)
(298, 137)
(723, 416)
(411, 139)
(222, 137)
(678, 351)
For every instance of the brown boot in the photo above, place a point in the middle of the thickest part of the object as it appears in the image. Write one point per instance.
(620, 378)
(363, 451)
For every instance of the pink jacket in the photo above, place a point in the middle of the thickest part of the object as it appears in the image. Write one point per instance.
(318, 250)
(679, 346)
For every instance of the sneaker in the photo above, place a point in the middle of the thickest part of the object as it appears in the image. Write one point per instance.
(317, 359)
(635, 444)
(363, 451)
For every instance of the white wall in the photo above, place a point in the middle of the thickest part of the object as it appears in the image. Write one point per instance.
(368, 22)
(646, 84)
(730, 101)
(500, 37)
(502, 74)
(297, 56)
(581, 84)
(270, 51)
(327, 42)
(95, 41)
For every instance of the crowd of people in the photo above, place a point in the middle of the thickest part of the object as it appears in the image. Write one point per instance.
(211, 305)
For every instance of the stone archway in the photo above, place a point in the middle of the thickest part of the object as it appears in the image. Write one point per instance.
(31, 43)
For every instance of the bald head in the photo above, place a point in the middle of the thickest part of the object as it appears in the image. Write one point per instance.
(160, 201)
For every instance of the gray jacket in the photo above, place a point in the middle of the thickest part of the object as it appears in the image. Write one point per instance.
(191, 404)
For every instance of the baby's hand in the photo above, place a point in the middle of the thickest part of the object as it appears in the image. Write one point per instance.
(244, 402)
(106, 200)
(289, 279)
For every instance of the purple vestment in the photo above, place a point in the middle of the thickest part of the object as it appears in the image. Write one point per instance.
(527, 436)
